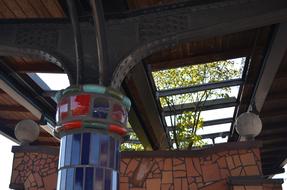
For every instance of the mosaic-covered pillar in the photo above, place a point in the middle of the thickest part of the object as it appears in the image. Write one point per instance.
(91, 122)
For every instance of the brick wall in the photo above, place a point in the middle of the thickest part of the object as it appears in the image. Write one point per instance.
(204, 169)
(34, 168)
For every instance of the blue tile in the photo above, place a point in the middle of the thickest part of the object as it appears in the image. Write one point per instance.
(79, 179)
(108, 179)
(86, 148)
(99, 179)
(70, 178)
(59, 180)
(89, 178)
(112, 153)
(76, 149)
(95, 149)
(62, 152)
(101, 108)
(117, 157)
(104, 147)
(68, 153)
(63, 179)
(115, 180)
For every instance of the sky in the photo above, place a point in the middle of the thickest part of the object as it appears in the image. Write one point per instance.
(6, 160)
(60, 81)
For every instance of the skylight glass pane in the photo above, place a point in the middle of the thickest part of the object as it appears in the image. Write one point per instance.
(169, 120)
(199, 74)
(220, 140)
(217, 113)
(133, 143)
(201, 96)
(55, 81)
(214, 129)
(207, 141)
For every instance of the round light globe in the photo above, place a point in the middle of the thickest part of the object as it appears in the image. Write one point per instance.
(248, 125)
(27, 131)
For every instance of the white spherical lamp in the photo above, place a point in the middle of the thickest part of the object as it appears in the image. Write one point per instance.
(27, 131)
(248, 125)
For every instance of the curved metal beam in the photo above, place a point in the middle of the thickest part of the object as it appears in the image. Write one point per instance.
(169, 28)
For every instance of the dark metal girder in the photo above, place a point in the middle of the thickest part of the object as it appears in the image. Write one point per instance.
(169, 27)
(197, 88)
(52, 41)
(215, 135)
(273, 171)
(207, 105)
(217, 121)
(137, 87)
(139, 130)
(274, 57)
(138, 35)
(207, 136)
(211, 122)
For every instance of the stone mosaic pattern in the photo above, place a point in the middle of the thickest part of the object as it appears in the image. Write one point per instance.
(204, 173)
(34, 171)
(39, 171)
(263, 187)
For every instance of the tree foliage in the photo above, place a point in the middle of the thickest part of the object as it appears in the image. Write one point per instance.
(132, 146)
(185, 125)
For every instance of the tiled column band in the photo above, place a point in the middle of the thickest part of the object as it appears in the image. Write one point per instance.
(88, 161)
(91, 122)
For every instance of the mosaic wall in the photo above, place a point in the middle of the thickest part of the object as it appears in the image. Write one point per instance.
(205, 173)
(207, 169)
(34, 171)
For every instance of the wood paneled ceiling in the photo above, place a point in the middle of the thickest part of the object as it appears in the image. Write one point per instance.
(30, 9)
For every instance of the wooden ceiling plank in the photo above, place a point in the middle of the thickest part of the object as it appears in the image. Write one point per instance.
(17, 108)
(6, 12)
(40, 8)
(53, 8)
(13, 6)
(27, 8)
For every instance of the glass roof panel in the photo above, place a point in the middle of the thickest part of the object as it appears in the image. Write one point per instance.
(51, 81)
(205, 115)
(207, 141)
(133, 143)
(199, 74)
(220, 92)
(220, 140)
(200, 96)
(214, 129)
(217, 113)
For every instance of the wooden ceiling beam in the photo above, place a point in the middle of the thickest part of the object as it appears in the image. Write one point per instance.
(16, 108)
